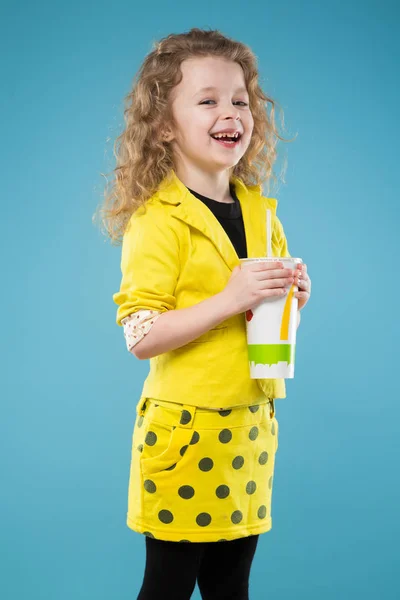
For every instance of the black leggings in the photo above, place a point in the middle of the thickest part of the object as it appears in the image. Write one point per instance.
(222, 569)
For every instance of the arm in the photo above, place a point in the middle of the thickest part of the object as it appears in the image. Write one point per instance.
(150, 270)
(175, 328)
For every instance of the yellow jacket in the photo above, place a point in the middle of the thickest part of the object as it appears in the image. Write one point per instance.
(176, 254)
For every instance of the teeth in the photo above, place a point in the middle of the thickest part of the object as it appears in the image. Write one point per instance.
(231, 135)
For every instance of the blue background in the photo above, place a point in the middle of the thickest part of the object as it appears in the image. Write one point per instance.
(69, 385)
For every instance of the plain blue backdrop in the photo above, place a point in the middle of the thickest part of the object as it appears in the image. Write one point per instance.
(69, 385)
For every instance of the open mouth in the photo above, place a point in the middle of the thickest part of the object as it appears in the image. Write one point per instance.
(227, 139)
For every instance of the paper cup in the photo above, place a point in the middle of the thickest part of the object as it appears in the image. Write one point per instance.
(271, 329)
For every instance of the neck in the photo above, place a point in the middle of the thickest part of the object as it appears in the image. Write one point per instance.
(211, 185)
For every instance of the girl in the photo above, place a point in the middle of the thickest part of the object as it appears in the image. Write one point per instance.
(188, 200)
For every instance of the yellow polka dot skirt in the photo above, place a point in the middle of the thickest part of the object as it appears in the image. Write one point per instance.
(199, 475)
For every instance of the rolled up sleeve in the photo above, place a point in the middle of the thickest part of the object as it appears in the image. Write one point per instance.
(149, 266)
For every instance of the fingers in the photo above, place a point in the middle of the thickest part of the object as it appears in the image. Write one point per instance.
(302, 267)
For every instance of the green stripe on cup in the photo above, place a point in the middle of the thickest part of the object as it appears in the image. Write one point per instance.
(271, 354)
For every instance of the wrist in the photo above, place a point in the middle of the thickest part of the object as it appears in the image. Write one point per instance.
(227, 306)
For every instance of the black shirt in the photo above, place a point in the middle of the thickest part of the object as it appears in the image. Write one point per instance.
(230, 217)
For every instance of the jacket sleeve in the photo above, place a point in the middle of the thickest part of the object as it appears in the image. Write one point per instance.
(137, 325)
(282, 241)
(149, 266)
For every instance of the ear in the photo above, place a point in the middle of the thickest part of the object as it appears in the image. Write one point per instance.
(167, 135)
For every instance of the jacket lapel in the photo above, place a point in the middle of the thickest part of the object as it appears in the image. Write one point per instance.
(196, 214)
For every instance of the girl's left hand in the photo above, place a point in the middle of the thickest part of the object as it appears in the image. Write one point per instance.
(303, 281)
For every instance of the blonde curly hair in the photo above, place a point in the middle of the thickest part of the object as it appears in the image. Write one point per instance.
(144, 159)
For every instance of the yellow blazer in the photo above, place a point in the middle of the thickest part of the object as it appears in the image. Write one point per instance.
(175, 254)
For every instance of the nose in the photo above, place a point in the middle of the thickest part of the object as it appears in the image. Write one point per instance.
(230, 112)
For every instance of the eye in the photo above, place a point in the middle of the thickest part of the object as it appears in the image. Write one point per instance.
(238, 101)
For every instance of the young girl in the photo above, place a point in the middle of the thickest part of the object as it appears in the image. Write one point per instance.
(188, 200)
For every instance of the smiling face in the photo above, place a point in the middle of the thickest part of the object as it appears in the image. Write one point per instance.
(198, 113)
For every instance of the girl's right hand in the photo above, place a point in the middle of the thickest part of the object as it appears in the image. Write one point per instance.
(249, 285)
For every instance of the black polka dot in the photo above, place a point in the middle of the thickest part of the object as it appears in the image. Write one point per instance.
(222, 491)
(203, 519)
(156, 405)
(238, 462)
(206, 464)
(224, 413)
(270, 482)
(150, 486)
(151, 438)
(183, 449)
(195, 438)
(140, 447)
(148, 534)
(253, 433)
(254, 408)
(225, 436)
(262, 511)
(170, 468)
(236, 516)
(140, 420)
(263, 458)
(166, 516)
(186, 417)
(251, 487)
(186, 492)
(222, 540)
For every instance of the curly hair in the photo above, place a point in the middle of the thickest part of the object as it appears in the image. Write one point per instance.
(144, 159)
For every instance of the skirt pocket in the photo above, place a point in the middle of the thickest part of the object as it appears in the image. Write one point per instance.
(163, 446)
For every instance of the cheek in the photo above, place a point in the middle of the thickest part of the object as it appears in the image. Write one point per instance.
(195, 133)
(249, 127)
(249, 124)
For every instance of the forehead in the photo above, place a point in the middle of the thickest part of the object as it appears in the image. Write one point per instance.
(207, 74)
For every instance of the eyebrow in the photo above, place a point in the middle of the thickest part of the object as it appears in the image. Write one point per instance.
(211, 88)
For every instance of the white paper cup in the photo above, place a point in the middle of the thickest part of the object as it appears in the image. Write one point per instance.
(271, 329)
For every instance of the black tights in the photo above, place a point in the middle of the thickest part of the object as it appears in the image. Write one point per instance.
(222, 569)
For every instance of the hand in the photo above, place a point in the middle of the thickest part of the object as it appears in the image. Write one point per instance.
(303, 281)
(250, 284)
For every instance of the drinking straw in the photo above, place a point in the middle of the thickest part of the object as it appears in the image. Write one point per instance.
(269, 248)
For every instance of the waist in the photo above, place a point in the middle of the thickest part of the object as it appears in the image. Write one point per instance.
(178, 405)
(210, 390)
(202, 415)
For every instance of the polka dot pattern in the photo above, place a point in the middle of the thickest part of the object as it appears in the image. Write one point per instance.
(137, 325)
(165, 516)
(186, 492)
(225, 436)
(186, 417)
(151, 438)
(203, 519)
(150, 486)
(205, 478)
(253, 433)
(236, 516)
(195, 438)
(206, 464)
(222, 491)
(238, 462)
(251, 487)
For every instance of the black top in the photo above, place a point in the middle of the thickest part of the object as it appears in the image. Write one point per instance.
(230, 217)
